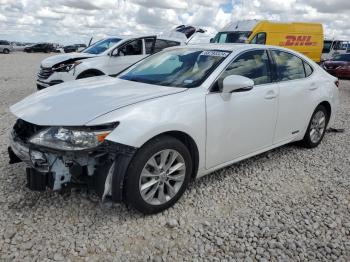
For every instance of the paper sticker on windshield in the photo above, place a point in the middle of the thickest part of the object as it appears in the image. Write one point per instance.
(215, 53)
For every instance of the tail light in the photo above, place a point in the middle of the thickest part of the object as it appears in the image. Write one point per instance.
(336, 82)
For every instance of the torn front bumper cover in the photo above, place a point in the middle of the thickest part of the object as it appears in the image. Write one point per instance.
(58, 170)
(36, 180)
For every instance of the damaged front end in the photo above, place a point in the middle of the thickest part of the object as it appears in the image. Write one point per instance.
(59, 158)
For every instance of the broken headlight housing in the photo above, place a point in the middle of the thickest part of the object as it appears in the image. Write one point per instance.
(71, 139)
(65, 67)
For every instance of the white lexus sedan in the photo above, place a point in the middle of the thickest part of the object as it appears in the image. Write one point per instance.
(142, 136)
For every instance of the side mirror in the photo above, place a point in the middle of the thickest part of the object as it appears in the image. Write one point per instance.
(211, 40)
(236, 83)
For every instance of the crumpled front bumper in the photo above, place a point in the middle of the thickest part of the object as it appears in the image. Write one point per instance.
(32, 157)
(18, 151)
(48, 168)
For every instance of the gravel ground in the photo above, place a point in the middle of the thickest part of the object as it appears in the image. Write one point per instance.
(290, 204)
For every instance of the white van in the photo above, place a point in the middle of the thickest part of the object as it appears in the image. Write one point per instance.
(334, 47)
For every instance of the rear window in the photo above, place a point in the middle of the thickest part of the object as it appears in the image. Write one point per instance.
(308, 69)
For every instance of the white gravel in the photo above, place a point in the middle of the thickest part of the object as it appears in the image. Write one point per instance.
(290, 204)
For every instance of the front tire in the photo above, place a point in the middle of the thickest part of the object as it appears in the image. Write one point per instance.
(6, 51)
(316, 128)
(158, 175)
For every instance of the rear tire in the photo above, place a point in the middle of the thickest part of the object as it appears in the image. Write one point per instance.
(316, 128)
(158, 175)
(6, 51)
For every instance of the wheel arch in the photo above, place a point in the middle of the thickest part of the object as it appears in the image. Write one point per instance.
(189, 142)
(328, 107)
(97, 72)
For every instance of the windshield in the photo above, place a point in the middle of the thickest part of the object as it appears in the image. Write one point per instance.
(327, 46)
(341, 57)
(178, 68)
(232, 37)
(101, 46)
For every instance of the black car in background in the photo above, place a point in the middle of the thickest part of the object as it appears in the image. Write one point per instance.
(74, 48)
(42, 47)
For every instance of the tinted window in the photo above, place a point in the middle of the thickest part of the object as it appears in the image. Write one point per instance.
(289, 67)
(132, 48)
(308, 69)
(172, 43)
(161, 44)
(253, 64)
(340, 45)
(149, 45)
(327, 46)
(259, 39)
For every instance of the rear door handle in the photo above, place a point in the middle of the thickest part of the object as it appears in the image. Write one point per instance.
(270, 95)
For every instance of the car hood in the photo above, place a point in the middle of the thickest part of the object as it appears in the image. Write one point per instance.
(78, 102)
(53, 60)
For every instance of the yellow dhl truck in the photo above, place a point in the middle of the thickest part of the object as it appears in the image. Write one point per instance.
(306, 38)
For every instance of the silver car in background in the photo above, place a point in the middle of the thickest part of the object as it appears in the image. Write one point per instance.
(5, 46)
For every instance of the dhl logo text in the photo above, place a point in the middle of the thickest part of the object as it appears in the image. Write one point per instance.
(300, 40)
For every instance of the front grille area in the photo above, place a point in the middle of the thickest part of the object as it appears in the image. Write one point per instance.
(24, 130)
(45, 72)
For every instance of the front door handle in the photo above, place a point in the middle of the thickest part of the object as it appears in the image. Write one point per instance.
(270, 95)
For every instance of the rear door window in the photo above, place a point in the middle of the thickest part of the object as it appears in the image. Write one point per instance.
(149, 45)
(289, 66)
(161, 44)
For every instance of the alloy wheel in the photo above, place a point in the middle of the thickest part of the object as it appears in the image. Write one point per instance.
(162, 177)
(317, 127)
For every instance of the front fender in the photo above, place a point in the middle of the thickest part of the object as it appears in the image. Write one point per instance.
(138, 123)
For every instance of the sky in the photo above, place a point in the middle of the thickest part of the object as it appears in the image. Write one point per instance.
(76, 21)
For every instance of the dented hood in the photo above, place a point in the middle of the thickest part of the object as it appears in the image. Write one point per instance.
(76, 103)
(53, 60)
